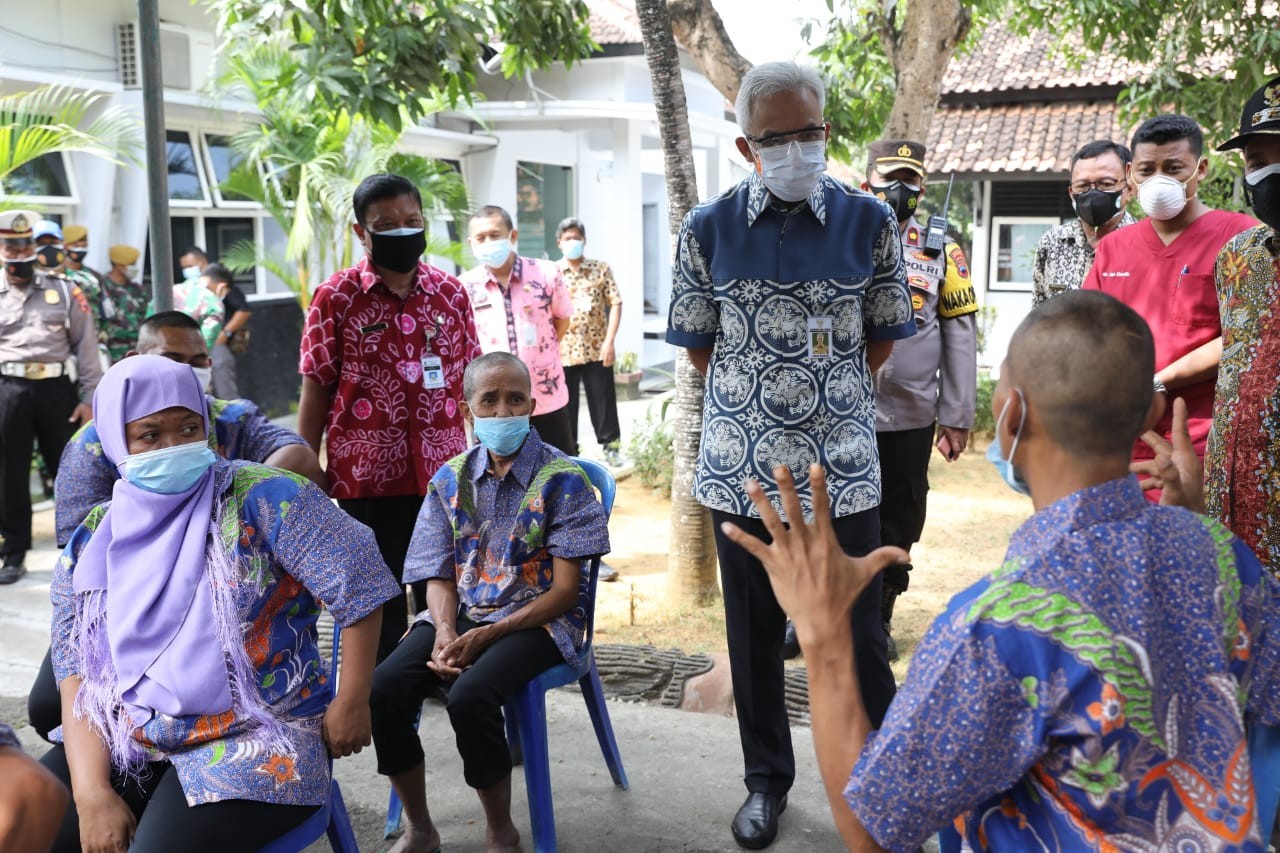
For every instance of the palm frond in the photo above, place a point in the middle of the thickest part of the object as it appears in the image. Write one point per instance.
(49, 119)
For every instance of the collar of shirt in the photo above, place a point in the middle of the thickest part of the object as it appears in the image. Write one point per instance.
(517, 274)
(368, 277)
(759, 198)
(1114, 500)
(1075, 233)
(1272, 241)
(523, 467)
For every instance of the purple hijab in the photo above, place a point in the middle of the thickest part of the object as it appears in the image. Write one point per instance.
(148, 559)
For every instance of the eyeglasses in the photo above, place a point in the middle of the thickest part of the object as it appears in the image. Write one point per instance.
(1106, 185)
(817, 133)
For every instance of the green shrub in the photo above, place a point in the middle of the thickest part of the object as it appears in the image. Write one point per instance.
(651, 450)
(983, 422)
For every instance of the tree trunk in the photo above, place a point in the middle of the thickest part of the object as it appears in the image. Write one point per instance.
(920, 52)
(691, 564)
(698, 27)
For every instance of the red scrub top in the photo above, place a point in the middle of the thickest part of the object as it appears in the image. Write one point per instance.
(1172, 287)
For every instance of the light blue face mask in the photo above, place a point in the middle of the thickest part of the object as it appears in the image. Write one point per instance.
(169, 470)
(572, 248)
(492, 253)
(995, 454)
(503, 436)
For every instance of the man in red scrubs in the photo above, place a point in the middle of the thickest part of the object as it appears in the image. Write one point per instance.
(1162, 267)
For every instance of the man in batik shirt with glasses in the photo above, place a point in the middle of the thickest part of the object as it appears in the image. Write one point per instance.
(1098, 193)
(788, 291)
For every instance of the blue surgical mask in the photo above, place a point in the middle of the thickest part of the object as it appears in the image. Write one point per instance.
(995, 453)
(170, 470)
(492, 253)
(572, 248)
(503, 436)
(190, 273)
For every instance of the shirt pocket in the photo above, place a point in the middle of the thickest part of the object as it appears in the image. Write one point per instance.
(1194, 301)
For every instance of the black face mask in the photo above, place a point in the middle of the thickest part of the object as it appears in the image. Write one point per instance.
(50, 256)
(1264, 198)
(396, 251)
(77, 255)
(1096, 207)
(902, 198)
(20, 270)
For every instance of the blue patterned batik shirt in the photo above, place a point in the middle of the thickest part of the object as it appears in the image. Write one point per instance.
(1089, 695)
(787, 297)
(496, 538)
(293, 550)
(85, 476)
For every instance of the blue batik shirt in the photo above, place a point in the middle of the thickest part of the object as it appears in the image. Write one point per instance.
(1091, 694)
(787, 296)
(496, 538)
(85, 477)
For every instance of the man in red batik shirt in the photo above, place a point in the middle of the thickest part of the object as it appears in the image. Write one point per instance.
(383, 352)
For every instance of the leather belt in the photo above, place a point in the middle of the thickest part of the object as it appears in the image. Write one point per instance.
(33, 369)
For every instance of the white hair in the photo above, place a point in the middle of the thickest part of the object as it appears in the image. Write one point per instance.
(769, 79)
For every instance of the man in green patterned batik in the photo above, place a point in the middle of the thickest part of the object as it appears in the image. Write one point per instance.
(1114, 685)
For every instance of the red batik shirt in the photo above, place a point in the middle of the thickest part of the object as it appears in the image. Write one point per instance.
(388, 433)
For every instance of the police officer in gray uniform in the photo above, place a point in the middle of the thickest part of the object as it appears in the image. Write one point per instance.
(925, 392)
(44, 321)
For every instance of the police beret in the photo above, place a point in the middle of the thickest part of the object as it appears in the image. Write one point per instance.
(16, 224)
(75, 233)
(122, 254)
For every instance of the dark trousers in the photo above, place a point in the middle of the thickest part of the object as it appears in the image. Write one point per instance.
(30, 410)
(755, 625)
(904, 491)
(44, 702)
(602, 402)
(403, 680)
(391, 520)
(165, 821)
(553, 429)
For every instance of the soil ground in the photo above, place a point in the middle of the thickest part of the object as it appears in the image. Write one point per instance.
(971, 516)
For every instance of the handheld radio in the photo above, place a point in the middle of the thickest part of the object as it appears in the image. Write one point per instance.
(936, 235)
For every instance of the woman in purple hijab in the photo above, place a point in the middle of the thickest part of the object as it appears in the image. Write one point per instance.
(195, 701)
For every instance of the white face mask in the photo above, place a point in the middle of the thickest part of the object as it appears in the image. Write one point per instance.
(131, 271)
(204, 375)
(1163, 197)
(791, 172)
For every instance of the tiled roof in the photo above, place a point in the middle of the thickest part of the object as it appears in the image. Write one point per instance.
(614, 22)
(1016, 137)
(1004, 62)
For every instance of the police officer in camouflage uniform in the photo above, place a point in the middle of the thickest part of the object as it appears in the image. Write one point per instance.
(44, 322)
(925, 392)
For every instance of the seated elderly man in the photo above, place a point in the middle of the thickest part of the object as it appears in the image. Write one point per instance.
(86, 477)
(502, 541)
(1094, 692)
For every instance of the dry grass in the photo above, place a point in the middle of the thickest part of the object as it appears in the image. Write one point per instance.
(971, 516)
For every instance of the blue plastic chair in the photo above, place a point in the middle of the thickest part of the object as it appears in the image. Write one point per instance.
(330, 819)
(526, 713)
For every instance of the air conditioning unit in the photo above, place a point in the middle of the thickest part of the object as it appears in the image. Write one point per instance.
(186, 56)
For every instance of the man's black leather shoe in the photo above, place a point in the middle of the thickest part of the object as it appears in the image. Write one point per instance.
(13, 569)
(756, 823)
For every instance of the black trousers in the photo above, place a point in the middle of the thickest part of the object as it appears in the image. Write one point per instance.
(402, 681)
(165, 821)
(755, 625)
(391, 520)
(30, 410)
(44, 702)
(602, 401)
(904, 491)
(553, 428)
